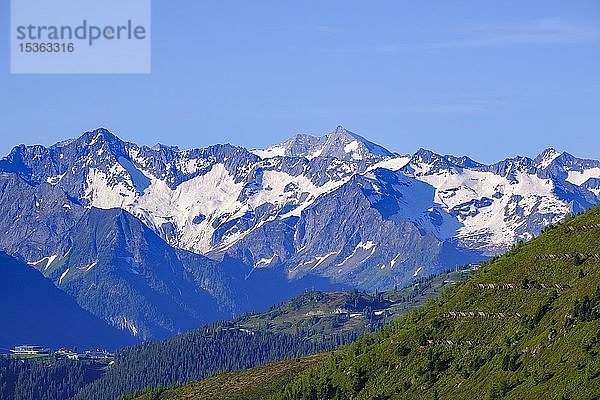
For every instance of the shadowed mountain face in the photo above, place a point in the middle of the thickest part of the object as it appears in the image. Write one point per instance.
(177, 237)
(120, 270)
(115, 267)
(34, 311)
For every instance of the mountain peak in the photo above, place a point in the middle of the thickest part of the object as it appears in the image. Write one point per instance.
(546, 157)
(427, 156)
(105, 133)
(160, 146)
(340, 130)
(422, 152)
(347, 145)
(340, 143)
(100, 135)
(550, 150)
(341, 133)
(101, 138)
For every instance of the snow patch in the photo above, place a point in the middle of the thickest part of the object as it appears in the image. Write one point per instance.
(64, 274)
(350, 147)
(278, 192)
(392, 164)
(263, 262)
(366, 245)
(90, 266)
(315, 154)
(213, 195)
(50, 261)
(104, 190)
(360, 254)
(580, 177)
(458, 191)
(95, 139)
(47, 260)
(270, 152)
(53, 180)
(321, 259)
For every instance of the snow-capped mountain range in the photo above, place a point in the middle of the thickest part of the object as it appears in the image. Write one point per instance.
(212, 200)
(337, 207)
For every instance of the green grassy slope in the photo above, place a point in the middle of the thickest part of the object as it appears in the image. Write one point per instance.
(255, 383)
(533, 342)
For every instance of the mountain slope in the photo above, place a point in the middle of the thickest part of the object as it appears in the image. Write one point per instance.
(34, 311)
(388, 233)
(118, 269)
(254, 383)
(538, 338)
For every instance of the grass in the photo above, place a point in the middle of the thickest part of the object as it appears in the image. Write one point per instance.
(252, 383)
(548, 354)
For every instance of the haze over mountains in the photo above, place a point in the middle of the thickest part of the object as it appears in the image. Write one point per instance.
(158, 240)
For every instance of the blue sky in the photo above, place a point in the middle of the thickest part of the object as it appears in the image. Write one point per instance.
(489, 79)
